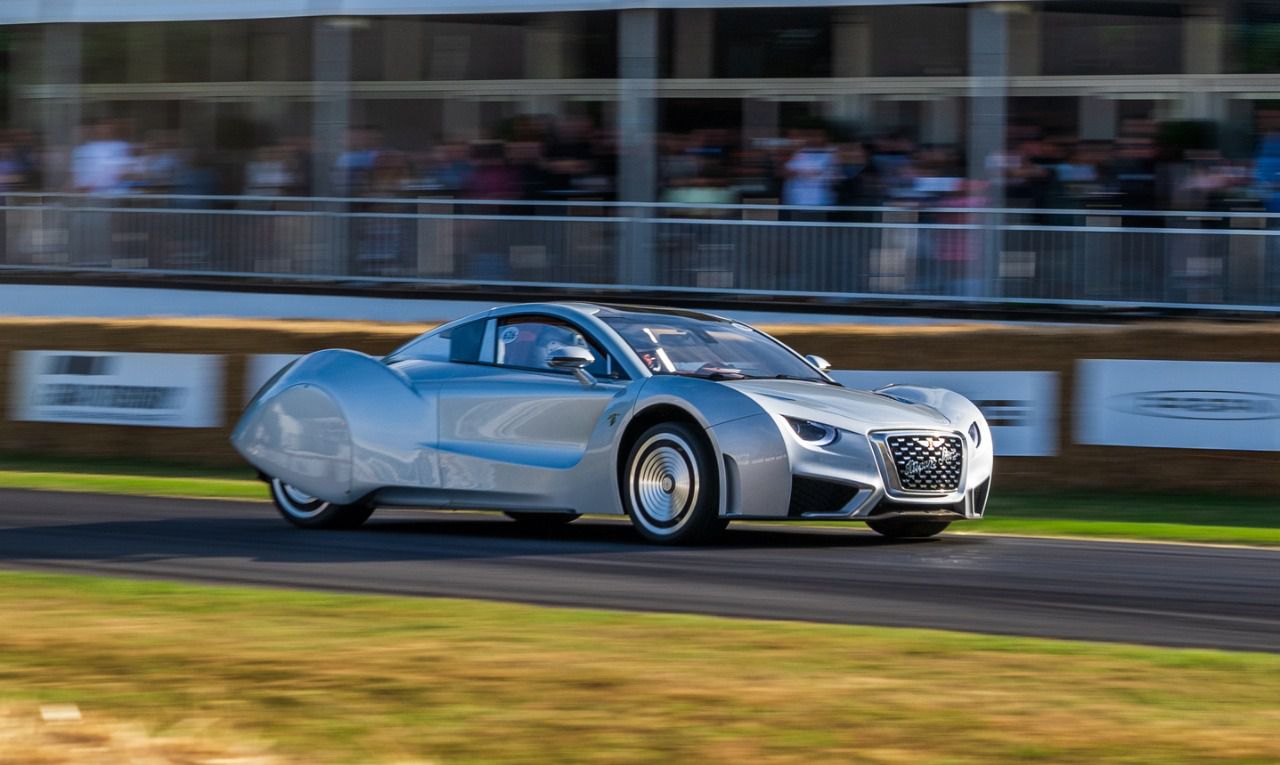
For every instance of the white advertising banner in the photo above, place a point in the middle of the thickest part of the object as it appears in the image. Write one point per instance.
(260, 368)
(1021, 407)
(1179, 404)
(171, 390)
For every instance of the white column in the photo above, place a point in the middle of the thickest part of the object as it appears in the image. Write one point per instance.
(637, 125)
(988, 72)
(331, 116)
(331, 88)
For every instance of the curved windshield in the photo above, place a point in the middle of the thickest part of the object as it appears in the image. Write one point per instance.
(717, 350)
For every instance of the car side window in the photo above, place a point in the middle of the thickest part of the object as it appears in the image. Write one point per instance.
(527, 343)
(466, 342)
(462, 343)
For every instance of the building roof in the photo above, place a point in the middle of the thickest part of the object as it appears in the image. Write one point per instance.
(92, 11)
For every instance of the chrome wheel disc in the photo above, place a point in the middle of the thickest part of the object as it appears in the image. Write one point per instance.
(295, 502)
(663, 482)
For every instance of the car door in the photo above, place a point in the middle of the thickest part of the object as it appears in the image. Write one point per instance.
(511, 427)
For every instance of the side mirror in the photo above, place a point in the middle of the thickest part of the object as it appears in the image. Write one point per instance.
(574, 357)
(819, 363)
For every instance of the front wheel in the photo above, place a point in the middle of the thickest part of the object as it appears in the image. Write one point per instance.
(309, 512)
(669, 486)
(903, 528)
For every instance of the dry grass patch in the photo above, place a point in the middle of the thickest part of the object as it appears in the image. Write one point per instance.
(31, 736)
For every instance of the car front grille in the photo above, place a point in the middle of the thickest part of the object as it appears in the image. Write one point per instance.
(927, 463)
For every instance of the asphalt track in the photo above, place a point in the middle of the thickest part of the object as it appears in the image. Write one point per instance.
(1177, 595)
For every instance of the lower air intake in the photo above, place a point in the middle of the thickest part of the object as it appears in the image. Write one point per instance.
(812, 495)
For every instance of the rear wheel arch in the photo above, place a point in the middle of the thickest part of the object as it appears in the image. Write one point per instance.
(309, 512)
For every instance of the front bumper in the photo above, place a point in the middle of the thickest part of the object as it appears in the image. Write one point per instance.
(855, 479)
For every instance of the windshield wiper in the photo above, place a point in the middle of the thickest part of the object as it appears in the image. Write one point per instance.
(715, 375)
(822, 380)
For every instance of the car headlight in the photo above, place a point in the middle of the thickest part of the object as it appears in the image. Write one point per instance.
(814, 433)
(975, 434)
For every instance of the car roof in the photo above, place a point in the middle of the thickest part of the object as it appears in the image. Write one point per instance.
(615, 310)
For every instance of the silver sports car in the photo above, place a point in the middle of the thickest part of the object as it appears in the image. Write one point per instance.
(682, 421)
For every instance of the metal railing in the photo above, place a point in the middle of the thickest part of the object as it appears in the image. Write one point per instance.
(1203, 259)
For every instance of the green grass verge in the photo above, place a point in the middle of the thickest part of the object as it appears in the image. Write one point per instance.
(123, 477)
(345, 678)
(1197, 518)
(1203, 518)
(19, 463)
(103, 483)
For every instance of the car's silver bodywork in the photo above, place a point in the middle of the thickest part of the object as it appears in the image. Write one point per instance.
(411, 430)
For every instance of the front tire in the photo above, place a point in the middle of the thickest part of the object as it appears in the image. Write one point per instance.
(669, 486)
(907, 528)
(308, 512)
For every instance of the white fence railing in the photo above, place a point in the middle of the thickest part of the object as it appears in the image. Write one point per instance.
(1202, 259)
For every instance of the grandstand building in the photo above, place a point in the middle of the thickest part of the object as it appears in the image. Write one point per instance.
(230, 75)
(1124, 152)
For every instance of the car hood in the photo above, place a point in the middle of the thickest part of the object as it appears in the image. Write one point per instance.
(846, 408)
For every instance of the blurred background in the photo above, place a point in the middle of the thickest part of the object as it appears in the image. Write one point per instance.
(1121, 152)
(863, 178)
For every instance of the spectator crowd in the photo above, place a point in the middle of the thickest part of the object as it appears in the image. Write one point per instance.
(816, 172)
(571, 158)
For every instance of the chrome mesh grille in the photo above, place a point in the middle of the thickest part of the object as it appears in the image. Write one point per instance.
(927, 463)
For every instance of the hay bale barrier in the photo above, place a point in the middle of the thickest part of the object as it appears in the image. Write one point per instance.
(967, 347)
(234, 340)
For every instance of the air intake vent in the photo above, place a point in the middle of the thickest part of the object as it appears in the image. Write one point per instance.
(811, 495)
(927, 463)
(980, 497)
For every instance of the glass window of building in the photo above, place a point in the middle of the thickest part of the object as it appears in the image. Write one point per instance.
(919, 40)
(1112, 38)
(768, 42)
